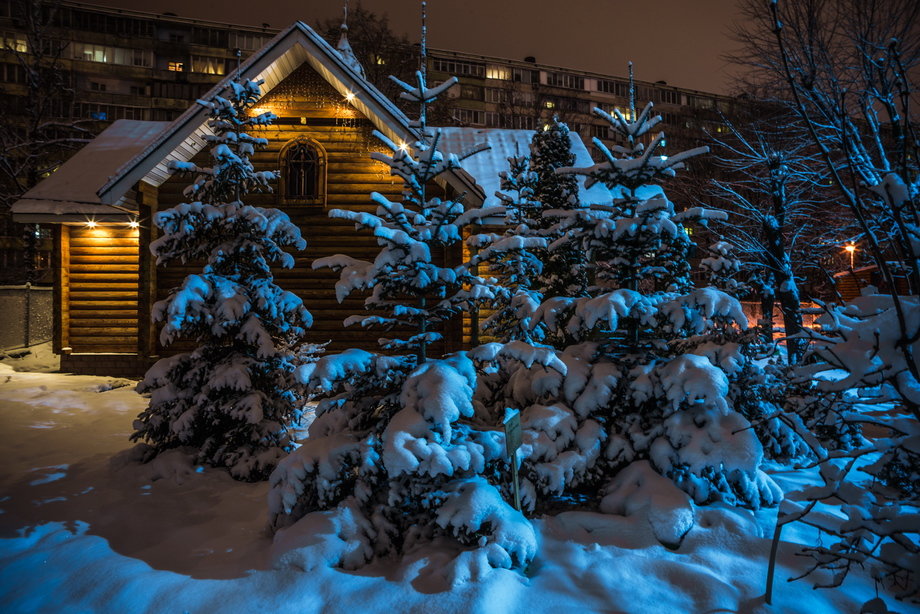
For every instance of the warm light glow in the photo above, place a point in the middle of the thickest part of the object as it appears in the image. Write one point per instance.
(134, 224)
(850, 248)
(403, 147)
(90, 223)
(257, 111)
(349, 96)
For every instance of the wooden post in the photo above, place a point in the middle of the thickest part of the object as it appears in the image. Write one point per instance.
(61, 290)
(147, 272)
(771, 568)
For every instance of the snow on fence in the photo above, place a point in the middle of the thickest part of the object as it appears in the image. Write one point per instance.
(25, 316)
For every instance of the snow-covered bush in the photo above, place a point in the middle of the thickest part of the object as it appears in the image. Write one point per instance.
(234, 396)
(857, 371)
(398, 446)
(398, 452)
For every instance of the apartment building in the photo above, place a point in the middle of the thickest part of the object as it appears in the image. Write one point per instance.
(112, 64)
(122, 64)
(502, 93)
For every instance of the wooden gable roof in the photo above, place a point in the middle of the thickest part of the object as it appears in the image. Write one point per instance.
(292, 47)
(148, 158)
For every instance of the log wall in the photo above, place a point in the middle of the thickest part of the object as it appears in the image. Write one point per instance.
(99, 278)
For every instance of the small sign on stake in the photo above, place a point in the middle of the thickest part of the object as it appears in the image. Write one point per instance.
(512, 423)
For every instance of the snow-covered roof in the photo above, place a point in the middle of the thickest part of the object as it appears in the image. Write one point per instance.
(69, 194)
(504, 143)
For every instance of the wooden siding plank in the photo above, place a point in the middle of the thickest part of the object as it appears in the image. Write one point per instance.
(103, 280)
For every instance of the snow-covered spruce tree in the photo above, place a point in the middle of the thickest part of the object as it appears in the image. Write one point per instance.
(397, 455)
(515, 256)
(413, 290)
(533, 257)
(233, 397)
(645, 382)
(565, 267)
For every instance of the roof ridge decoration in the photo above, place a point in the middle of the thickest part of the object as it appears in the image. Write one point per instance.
(344, 47)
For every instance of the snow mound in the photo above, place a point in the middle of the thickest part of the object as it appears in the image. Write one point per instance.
(639, 489)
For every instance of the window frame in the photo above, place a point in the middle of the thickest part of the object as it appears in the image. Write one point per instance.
(322, 159)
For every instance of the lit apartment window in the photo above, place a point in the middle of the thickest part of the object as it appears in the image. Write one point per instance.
(175, 66)
(497, 71)
(110, 55)
(629, 115)
(14, 42)
(208, 65)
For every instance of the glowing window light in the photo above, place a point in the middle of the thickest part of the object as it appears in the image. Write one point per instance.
(90, 224)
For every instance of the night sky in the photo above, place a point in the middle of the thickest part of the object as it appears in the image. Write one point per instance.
(678, 41)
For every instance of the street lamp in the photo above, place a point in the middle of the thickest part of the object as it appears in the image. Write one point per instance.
(852, 249)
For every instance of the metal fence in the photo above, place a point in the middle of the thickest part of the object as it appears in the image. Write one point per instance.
(25, 316)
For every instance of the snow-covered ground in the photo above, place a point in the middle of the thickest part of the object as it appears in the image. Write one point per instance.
(85, 529)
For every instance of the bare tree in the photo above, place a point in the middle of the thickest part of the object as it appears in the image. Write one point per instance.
(847, 69)
(771, 184)
(37, 129)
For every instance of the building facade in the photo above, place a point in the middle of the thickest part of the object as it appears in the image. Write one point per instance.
(109, 64)
(502, 93)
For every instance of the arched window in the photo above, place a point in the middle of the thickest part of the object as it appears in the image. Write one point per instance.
(304, 172)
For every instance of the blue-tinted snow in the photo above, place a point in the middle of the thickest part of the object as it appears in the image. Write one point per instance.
(504, 143)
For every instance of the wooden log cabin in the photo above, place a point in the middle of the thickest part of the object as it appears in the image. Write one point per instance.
(100, 202)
